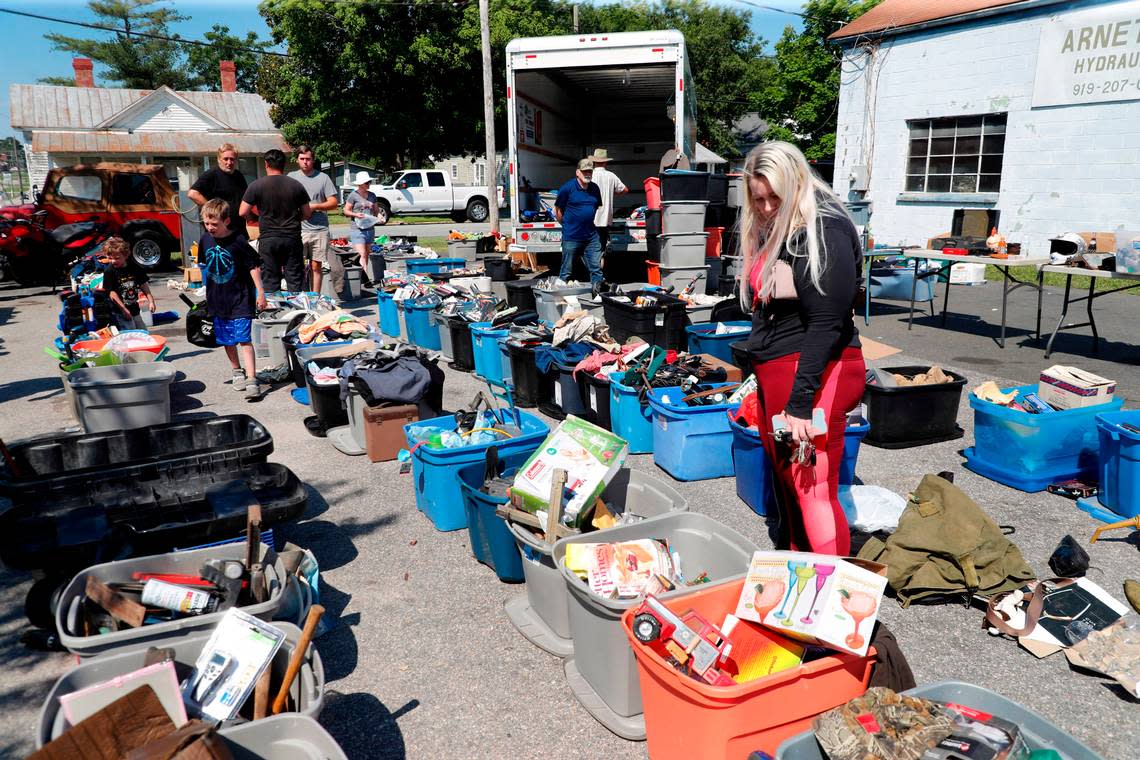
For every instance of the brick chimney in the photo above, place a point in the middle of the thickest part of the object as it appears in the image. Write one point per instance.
(84, 73)
(229, 76)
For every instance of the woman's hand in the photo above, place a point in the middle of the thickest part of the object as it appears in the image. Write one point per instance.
(801, 429)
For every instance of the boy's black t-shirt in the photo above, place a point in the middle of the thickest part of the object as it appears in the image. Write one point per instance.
(279, 200)
(215, 183)
(127, 282)
(226, 264)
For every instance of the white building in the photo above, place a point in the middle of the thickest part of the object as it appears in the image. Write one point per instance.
(1026, 108)
(85, 124)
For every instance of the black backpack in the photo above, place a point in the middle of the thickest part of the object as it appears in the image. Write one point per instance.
(199, 324)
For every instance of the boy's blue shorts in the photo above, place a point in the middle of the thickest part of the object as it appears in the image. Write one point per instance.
(230, 332)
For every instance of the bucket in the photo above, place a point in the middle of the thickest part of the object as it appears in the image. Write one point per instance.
(652, 187)
(631, 418)
(421, 331)
(389, 316)
(491, 541)
(485, 345)
(462, 352)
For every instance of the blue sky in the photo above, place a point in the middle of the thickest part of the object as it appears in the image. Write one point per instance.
(27, 56)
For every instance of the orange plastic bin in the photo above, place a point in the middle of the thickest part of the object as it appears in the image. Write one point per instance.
(687, 719)
(150, 343)
(713, 242)
(653, 192)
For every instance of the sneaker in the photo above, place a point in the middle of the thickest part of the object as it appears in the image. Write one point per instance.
(237, 378)
(252, 391)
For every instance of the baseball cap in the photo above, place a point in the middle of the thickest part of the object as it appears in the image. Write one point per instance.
(586, 164)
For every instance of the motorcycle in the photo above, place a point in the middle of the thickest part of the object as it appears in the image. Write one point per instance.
(31, 254)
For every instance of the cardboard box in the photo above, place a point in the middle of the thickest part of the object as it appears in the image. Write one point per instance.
(821, 599)
(1073, 388)
(967, 274)
(191, 275)
(1105, 241)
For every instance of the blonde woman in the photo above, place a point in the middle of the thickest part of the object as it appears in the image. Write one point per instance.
(802, 263)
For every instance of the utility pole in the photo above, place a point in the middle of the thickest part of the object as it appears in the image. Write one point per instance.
(489, 116)
(575, 18)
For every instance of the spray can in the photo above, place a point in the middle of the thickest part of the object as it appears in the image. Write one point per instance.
(171, 596)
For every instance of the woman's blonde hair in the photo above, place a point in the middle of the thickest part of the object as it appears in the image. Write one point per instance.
(804, 199)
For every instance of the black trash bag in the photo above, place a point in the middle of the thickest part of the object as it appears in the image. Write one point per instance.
(1069, 559)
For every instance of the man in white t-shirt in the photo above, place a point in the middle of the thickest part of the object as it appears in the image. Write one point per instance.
(610, 185)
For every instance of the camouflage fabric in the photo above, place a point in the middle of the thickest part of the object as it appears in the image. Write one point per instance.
(882, 725)
(946, 545)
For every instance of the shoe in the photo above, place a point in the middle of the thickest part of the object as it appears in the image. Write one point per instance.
(252, 391)
(237, 379)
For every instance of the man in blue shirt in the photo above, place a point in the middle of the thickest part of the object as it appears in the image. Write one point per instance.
(577, 202)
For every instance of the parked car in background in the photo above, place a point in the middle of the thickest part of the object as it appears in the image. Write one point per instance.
(134, 201)
(429, 191)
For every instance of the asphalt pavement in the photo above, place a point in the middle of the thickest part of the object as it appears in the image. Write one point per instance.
(421, 661)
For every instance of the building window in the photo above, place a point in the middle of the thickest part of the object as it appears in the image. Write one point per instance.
(454, 171)
(958, 155)
(480, 174)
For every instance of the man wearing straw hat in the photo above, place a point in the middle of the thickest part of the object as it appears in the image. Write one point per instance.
(610, 185)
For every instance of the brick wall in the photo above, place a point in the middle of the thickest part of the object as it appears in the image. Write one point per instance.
(1065, 168)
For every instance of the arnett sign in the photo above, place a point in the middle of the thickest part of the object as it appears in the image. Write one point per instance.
(1089, 57)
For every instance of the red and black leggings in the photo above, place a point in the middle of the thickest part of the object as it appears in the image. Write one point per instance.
(810, 516)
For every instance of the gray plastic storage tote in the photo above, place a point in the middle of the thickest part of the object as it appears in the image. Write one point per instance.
(683, 249)
(122, 396)
(683, 216)
(551, 303)
(603, 671)
(440, 321)
(175, 563)
(541, 613)
(282, 737)
(267, 345)
(1037, 732)
(307, 692)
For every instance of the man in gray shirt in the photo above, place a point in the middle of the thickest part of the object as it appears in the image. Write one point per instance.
(323, 197)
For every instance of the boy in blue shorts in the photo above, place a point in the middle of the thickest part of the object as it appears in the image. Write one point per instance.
(231, 272)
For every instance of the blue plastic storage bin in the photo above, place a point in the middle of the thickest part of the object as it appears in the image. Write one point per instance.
(631, 419)
(491, 539)
(389, 314)
(1119, 462)
(852, 437)
(691, 443)
(895, 284)
(754, 484)
(1029, 451)
(702, 339)
(754, 474)
(422, 331)
(488, 358)
(435, 471)
(434, 266)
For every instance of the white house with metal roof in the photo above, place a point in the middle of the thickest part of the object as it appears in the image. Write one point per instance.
(182, 131)
(1023, 111)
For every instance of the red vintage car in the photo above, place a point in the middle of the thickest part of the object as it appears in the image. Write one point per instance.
(136, 201)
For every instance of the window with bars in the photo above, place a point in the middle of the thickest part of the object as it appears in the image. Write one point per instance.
(455, 171)
(480, 174)
(957, 155)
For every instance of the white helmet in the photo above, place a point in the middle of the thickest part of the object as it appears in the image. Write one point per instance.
(1068, 245)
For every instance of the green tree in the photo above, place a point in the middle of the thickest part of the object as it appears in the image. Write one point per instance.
(203, 62)
(726, 58)
(128, 59)
(390, 84)
(800, 100)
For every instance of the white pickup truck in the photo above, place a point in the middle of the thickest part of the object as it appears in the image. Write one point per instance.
(429, 191)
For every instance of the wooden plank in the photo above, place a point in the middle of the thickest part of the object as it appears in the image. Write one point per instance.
(130, 612)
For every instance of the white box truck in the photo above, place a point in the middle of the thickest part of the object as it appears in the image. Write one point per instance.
(630, 93)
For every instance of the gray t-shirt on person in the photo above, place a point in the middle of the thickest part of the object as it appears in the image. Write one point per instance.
(319, 187)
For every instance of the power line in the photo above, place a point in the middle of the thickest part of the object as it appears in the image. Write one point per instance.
(774, 9)
(148, 35)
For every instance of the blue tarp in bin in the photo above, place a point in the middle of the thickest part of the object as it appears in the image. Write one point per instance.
(691, 442)
(435, 471)
(703, 340)
(491, 539)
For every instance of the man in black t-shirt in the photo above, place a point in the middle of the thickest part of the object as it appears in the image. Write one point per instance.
(281, 204)
(225, 182)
